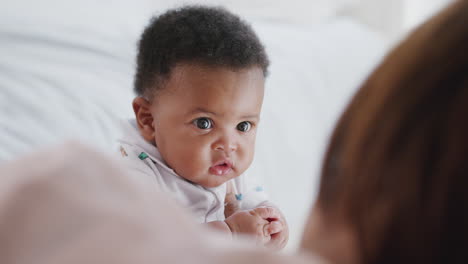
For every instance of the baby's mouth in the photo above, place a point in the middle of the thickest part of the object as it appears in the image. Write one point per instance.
(221, 168)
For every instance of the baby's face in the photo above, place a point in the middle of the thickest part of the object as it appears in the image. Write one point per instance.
(205, 121)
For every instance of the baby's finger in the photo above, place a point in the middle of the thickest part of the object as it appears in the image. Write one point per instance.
(275, 227)
(267, 212)
(266, 231)
(277, 241)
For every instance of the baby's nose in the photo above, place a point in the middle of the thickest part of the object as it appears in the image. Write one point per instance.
(226, 144)
(226, 147)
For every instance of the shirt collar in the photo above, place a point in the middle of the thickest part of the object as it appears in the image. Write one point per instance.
(133, 137)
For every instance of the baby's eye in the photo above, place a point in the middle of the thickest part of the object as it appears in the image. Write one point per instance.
(203, 123)
(244, 126)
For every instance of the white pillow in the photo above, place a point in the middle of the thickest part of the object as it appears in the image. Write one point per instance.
(66, 71)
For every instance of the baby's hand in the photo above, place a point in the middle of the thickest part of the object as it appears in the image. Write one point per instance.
(262, 223)
(277, 229)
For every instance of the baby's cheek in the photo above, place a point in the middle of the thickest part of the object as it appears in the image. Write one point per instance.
(248, 155)
(187, 166)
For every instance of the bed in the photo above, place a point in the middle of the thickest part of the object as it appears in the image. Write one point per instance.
(66, 71)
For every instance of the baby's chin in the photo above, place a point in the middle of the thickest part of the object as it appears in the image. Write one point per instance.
(214, 181)
(209, 180)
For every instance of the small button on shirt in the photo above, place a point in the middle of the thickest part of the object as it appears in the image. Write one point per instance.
(143, 160)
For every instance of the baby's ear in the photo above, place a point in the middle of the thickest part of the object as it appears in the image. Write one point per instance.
(144, 118)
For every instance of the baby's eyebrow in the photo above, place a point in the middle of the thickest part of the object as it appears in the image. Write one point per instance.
(205, 111)
(254, 116)
(202, 110)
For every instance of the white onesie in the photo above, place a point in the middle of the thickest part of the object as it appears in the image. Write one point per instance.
(207, 204)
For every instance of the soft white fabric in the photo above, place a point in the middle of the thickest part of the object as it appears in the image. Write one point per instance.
(206, 204)
(290, 12)
(66, 71)
(71, 204)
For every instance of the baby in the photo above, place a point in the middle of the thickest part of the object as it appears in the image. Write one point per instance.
(200, 82)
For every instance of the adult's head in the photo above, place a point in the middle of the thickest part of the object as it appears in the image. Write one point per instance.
(395, 177)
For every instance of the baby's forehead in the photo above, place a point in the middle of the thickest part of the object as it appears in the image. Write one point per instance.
(215, 91)
(199, 76)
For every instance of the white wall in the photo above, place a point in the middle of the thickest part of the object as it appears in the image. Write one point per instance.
(382, 15)
(393, 18)
(416, 11)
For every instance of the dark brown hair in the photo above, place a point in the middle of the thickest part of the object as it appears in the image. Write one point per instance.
(396, 169)
(206, 35)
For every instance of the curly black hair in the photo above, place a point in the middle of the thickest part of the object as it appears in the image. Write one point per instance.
(211, 36)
